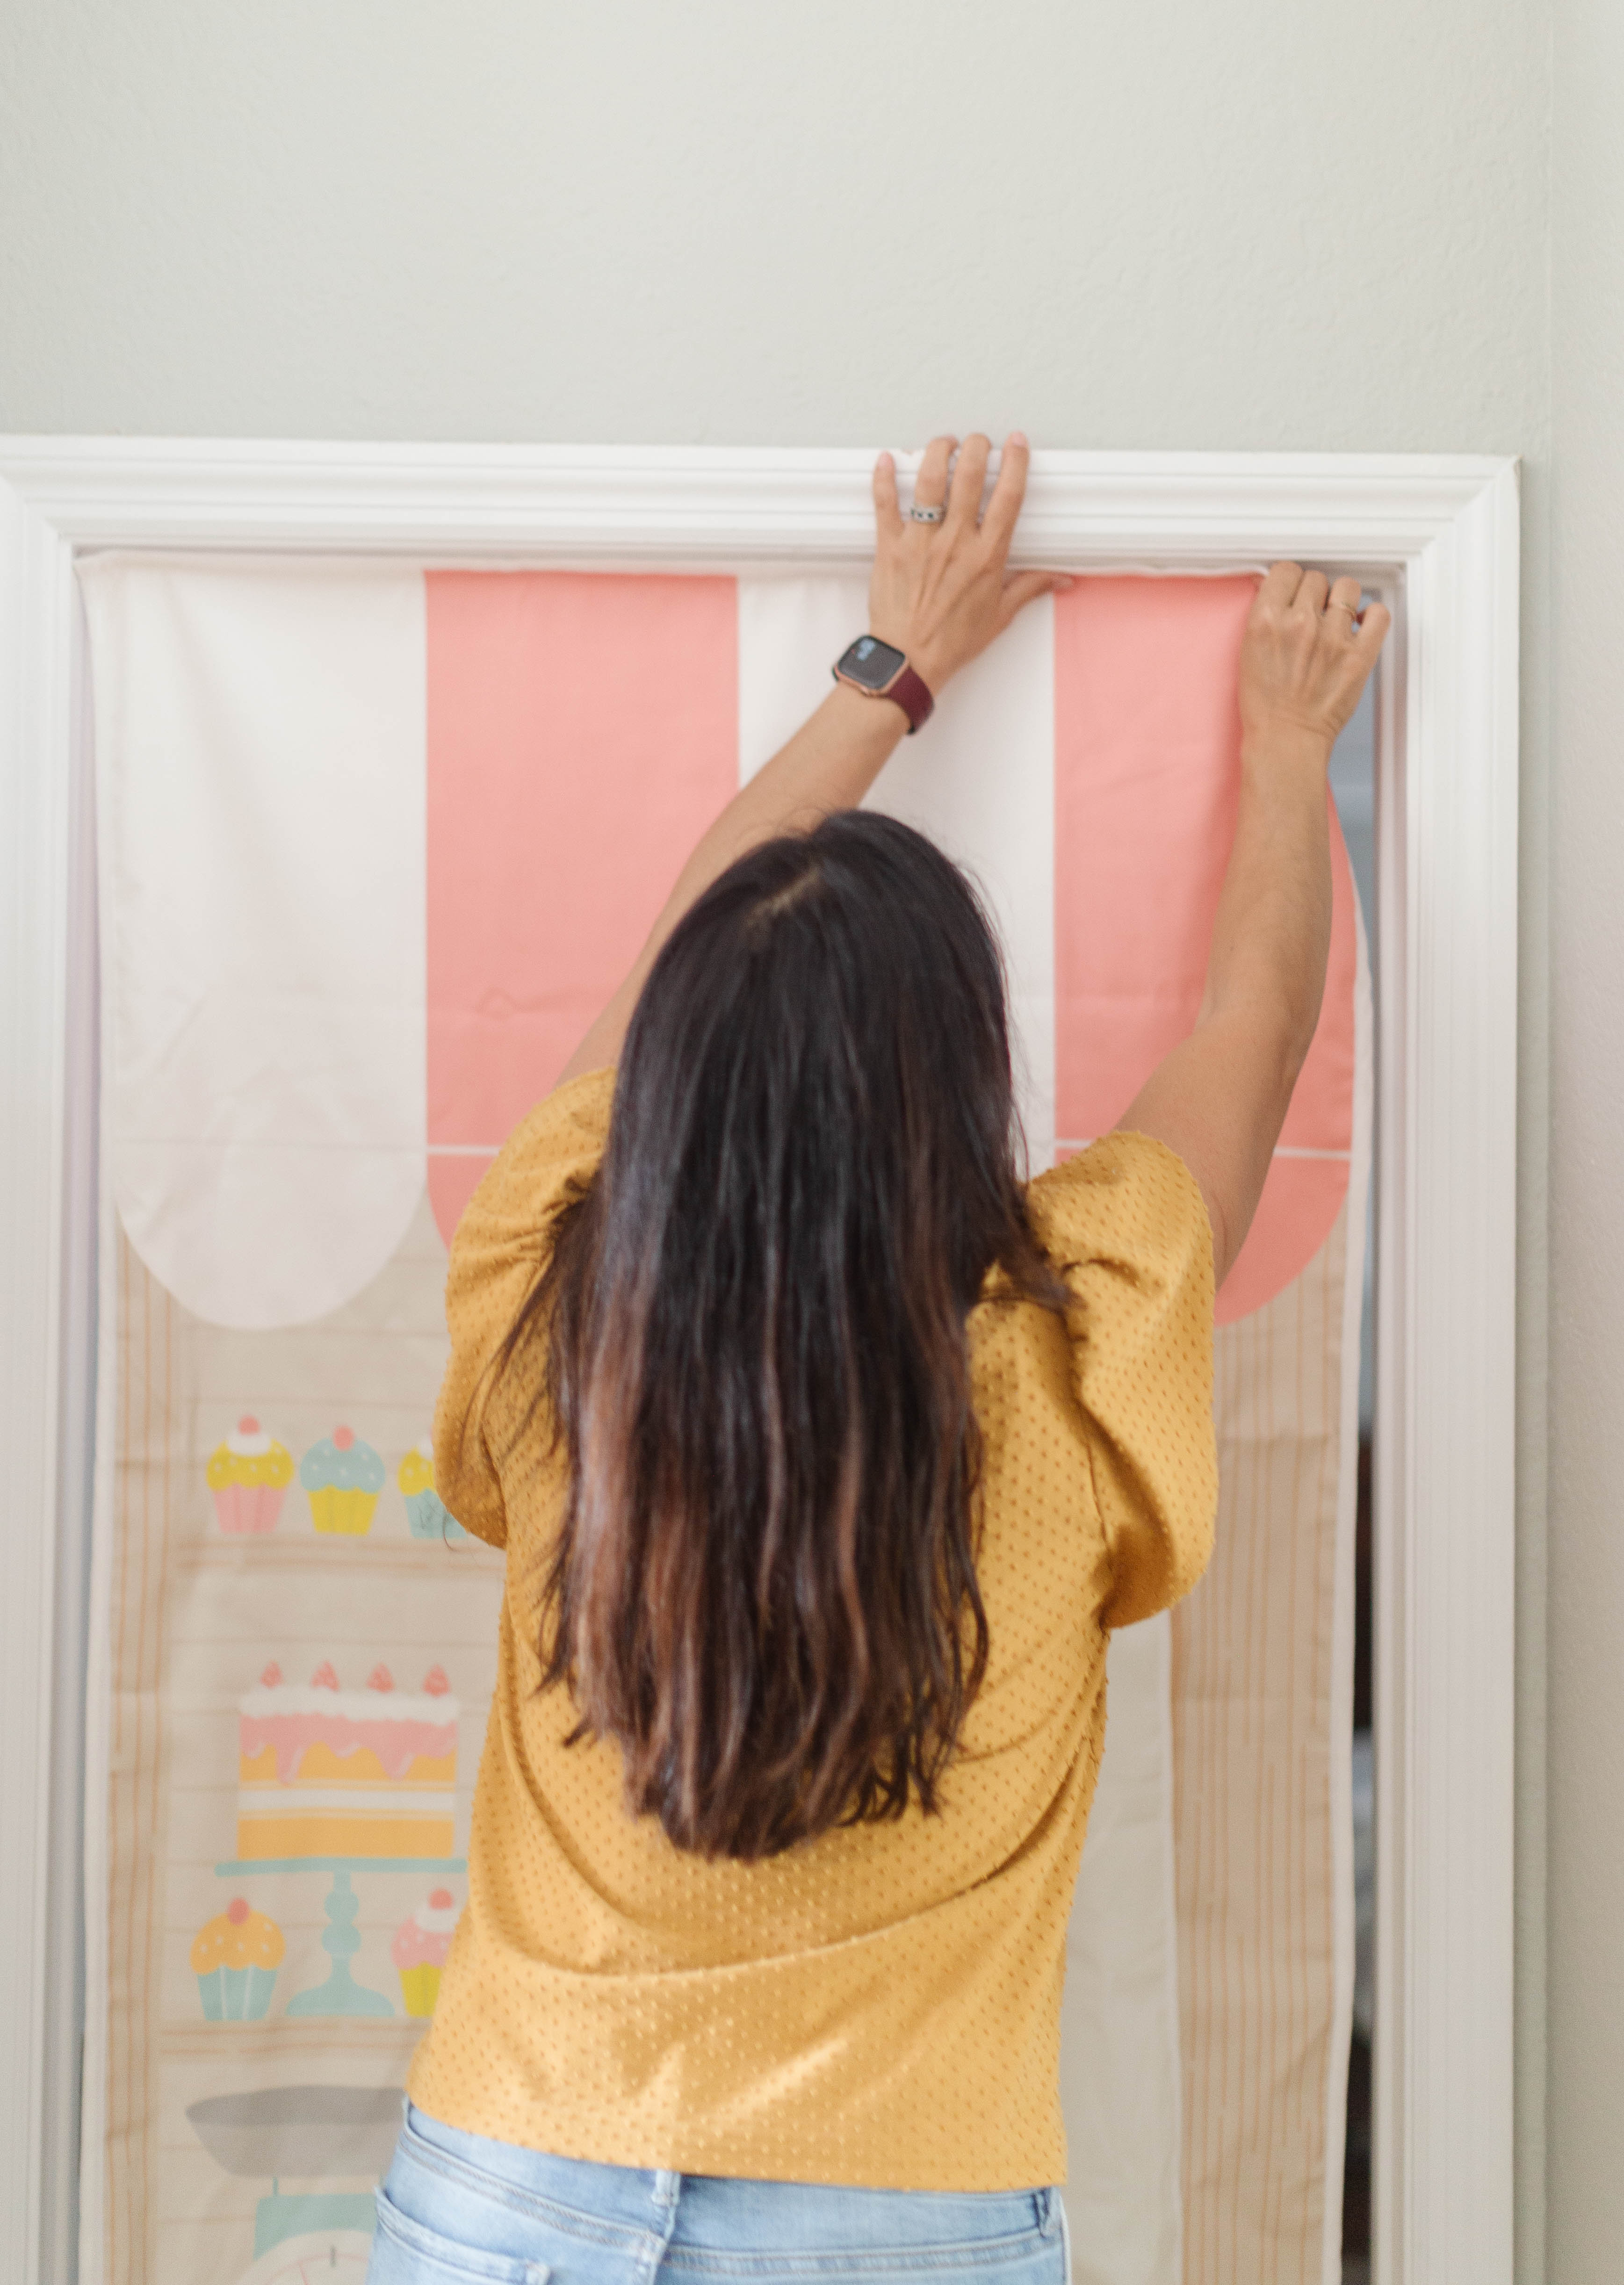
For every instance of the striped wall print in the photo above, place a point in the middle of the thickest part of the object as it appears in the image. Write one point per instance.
(375, 849)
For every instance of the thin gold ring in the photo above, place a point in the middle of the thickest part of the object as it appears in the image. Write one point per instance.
(1350, 609)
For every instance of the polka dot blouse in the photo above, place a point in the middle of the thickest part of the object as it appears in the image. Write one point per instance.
(881, 2005)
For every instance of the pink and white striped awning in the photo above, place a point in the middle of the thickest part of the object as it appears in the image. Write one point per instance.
(383, 839)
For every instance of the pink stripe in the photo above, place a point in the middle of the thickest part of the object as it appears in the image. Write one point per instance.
(1146, 766)
(395, 1744)
(583, 731)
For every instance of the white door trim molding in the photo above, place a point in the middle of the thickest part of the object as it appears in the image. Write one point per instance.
(1438, 537)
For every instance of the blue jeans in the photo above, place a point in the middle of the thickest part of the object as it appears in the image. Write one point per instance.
(456, 2209)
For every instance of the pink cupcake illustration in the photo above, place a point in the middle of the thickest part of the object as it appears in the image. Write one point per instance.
(419, 1951)
(248, 1475)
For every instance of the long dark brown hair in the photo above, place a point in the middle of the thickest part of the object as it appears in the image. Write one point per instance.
(750, 1333)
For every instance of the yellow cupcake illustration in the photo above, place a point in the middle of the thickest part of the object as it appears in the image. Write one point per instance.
(235, 1958)
(248, 1475)
(343, 1477)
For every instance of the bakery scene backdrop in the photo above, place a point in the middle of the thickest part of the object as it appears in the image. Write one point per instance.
(375, 842)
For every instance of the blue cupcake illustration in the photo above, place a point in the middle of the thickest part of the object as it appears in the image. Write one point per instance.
(235, 1959)
(426, 1512)
(343, 1477)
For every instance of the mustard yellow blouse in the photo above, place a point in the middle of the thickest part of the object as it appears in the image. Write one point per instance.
(880, 2006)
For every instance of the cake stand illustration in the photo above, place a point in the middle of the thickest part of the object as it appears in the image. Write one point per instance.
(344, 1782)
(305, 2133)
(339, 1993)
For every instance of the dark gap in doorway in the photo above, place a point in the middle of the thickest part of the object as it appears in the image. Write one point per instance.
(1352, 773)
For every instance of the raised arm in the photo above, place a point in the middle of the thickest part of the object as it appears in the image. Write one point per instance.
(940, 592)
(1219, 1098)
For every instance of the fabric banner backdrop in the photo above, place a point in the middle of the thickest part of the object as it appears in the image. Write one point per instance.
(373, 850)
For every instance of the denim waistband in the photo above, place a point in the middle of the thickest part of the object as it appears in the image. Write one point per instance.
(718, 2214)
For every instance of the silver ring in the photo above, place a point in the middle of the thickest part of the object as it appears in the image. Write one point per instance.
(928, 514)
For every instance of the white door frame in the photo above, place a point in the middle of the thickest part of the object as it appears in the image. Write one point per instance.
(1438, 536)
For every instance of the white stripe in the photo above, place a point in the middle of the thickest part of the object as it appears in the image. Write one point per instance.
(979, 779)
(261, 747)
(357, 1801)
(1282, 1149)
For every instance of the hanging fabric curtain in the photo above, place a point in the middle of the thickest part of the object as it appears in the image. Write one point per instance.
(376, 844)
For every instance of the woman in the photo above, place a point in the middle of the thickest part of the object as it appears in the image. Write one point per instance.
(824, 1454)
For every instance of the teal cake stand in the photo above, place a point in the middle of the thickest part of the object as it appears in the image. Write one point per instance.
(340, 1994)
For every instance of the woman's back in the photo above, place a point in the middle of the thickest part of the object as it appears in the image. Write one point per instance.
(880, 2003)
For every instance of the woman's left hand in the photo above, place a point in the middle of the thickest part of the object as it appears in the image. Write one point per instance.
(941, 592)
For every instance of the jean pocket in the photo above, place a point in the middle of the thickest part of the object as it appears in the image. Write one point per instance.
(406, 2252)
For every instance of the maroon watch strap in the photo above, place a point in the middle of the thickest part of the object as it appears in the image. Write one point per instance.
(911, 695)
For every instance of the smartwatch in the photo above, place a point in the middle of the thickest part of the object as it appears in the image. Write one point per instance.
(881, 671)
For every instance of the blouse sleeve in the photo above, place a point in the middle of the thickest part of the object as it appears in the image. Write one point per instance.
(497, 1255)
(1127, 1226)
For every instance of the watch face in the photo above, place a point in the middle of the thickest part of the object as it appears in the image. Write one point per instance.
(870, 662)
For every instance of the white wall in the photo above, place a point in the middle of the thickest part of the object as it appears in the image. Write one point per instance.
(1164, 223)
(1586, 2182)
(1167, 224)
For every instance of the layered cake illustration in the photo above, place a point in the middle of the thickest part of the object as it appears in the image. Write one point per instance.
(426, 1512)
(235, 1958)
(419, 1951)
(343, 1476)
(248, 1475)
(325, 1771)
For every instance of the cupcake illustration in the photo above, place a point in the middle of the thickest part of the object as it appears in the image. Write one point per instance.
(419, 1951)
(343, 1477)
(248, 1475)
(235, 1958)
(426, 1512)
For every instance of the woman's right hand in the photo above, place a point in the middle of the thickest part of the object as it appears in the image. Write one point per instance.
(1219, 1097)
(1307, 656)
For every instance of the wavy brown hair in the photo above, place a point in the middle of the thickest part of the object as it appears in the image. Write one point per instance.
(750, 1333)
